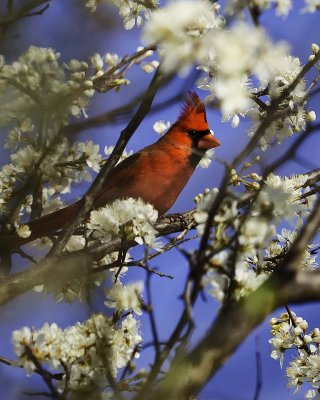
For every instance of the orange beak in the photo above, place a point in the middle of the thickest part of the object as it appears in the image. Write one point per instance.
(208, 141)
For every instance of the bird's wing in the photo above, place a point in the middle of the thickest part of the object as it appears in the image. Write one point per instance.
(119, 181)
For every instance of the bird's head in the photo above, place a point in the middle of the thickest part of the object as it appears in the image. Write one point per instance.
(191, 128)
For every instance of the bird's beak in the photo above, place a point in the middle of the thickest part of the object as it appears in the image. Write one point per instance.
(208, 141)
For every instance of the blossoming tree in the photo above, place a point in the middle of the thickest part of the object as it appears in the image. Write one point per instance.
(254, 237)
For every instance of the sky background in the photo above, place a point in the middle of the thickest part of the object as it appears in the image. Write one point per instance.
(68, 28)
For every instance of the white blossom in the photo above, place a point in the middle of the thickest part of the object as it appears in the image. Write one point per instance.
(247, 279)
(37, 78)
(125, 297)
(216, 281)
(149, 66)
(131, 11)
(311, 116)
(206, 159)
(281, 196)
(90, 151)
(131, 219)
(75, 243)
(125, 154)
(290, 333)
(285, 240)
(311, 6)
(23, 231)
(88, 350)
(182, 42)
(228, 80)
(203, 207)
(161, 126)
(255, 233)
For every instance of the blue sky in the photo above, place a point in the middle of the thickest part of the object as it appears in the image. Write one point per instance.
(66, 28)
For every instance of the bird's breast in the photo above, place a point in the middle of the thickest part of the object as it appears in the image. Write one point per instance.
(164, 175)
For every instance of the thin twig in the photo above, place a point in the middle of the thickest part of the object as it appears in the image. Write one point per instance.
(42, 372)
(258, 370)
(304, 346)
(152, 320)
(24, 11)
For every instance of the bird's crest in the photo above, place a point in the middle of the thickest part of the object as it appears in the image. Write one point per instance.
(193, 111)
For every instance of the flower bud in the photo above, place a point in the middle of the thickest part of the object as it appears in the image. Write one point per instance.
(311, 116)
(314, 48)
(307, 339)
(297, 331)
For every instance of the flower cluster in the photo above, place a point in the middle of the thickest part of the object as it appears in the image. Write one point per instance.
(217, 279)
(281, 197)
(185, 41)
(125, 297)
(296, 115)
(290, 333)
(131, 11)
(281, 246)
(129, 219)
(86, 353)
(253, 235)
(257, 246)
(311, 6)
(37, 85)
(228, 80)
(64, 164)
(261, 67)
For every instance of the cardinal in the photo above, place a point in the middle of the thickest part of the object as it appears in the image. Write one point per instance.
(156, 174)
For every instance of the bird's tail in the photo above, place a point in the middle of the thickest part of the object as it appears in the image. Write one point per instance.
(43, 226)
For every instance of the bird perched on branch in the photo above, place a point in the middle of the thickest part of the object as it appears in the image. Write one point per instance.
(156, 174)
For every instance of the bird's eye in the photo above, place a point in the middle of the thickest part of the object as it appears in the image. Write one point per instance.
(197, 134)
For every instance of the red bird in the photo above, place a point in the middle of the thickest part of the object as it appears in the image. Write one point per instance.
(157, 174)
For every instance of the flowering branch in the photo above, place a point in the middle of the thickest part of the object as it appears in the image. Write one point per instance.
(189, 373)
(78, 262)
(101, 83)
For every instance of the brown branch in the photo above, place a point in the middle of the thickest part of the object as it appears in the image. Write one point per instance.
(195, 275)
(271, 113)
(120, 113)
(188, 374)
(304, 346)
(231, 327)
(23, 12)
(42, 372)
(40, 12)
(152, 320)
(101, 83)
(69, 266)
(258, 388)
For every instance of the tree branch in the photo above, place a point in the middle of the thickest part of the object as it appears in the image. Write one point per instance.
(23, 12)
(236, 320)
(68, 266)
